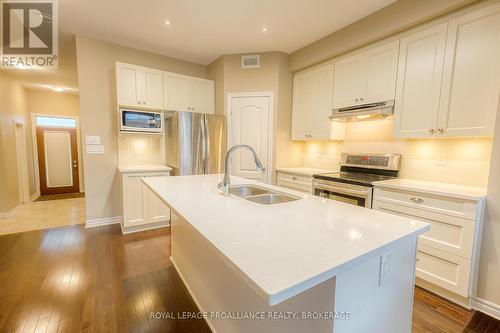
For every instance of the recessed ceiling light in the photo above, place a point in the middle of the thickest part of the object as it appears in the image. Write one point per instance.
(57, 89)
(167, 22)
(263, 29)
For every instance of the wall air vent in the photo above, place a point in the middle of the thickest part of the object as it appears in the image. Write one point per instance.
(250, 61)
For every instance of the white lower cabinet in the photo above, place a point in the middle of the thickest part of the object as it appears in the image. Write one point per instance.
(447, 255)
(142, 207)
(294, 181)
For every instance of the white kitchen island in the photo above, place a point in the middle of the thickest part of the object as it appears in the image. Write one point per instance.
(310, 265)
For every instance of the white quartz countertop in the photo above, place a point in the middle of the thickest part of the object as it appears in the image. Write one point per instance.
(283, 249)
(143, 168)
(436, 188)
(305, 171)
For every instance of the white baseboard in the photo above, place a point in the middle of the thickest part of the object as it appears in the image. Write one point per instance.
(490, 308)
(9, 213)
(144, 227)
(103, 221)
(34, 196)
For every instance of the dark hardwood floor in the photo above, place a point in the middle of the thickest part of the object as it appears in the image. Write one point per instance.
(72, 279)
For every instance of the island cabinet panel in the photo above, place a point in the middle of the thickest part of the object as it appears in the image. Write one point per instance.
(378, 293)
(447, 255)
(141, 207)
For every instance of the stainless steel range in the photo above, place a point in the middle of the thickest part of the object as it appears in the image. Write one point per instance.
(354, 183)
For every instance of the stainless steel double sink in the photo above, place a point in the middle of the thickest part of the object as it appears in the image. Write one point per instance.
(261, 195)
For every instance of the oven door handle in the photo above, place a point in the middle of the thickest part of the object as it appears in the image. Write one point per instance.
(342, 190)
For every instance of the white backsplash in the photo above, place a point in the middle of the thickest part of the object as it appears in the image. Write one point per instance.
(141, 150)
(460, 161)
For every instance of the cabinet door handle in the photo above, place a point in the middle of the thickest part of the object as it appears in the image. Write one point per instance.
(432, 131)
(441, 130)
(417, 200)
(356, 100)
(361, 99)
(294, 178)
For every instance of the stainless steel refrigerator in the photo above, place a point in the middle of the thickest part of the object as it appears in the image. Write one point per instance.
(195, 143)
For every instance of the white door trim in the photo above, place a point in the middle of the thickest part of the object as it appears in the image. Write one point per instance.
(36, 167)
(22, 162)
(270, 150)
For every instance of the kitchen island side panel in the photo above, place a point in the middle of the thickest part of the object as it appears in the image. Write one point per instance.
(216, 287)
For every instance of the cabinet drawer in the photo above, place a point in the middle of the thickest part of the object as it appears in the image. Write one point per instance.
(444, 205)
(295, 181)
(443, 269)
(448, 233)
(159, 174)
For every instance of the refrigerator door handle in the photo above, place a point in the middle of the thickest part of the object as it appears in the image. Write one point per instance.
(204, 142)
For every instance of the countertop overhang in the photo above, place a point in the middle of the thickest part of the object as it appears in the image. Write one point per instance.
(284, 249)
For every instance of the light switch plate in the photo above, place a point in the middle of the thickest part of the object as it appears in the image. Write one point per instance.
(92, 140)
(94, 149)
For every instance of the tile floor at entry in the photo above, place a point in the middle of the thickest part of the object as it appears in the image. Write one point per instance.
(43, 215)
(72, 279)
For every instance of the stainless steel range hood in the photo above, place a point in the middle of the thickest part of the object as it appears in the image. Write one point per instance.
(370, 111)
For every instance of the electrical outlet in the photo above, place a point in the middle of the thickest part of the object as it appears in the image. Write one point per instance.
(441, 159)
(385, 269)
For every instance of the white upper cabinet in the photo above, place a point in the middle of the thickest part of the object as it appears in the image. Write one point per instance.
(139, 87)
(312, 104)
(471, 81)
(449, 78)
(420, 72)
(203, 95)
(366, 77)
(187, 93)
(177, 92)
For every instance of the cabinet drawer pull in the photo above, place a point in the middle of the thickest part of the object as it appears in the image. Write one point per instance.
(417, 200)
(294, 178)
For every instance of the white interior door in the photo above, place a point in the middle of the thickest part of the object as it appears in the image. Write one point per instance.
(250, 125)
(22, 163)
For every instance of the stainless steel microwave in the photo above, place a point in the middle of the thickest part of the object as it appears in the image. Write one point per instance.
(141, 121)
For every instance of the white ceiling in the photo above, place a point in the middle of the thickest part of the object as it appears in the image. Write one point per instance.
(202, 30)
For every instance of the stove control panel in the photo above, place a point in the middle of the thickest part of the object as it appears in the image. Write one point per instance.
(371, 161)
(380, 161)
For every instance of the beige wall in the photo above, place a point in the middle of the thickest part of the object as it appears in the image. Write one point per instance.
(420, 157)
(45, 102)
(489, 268)
(401, 15)
(98, 114)
(12, 107)
(273, 75)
